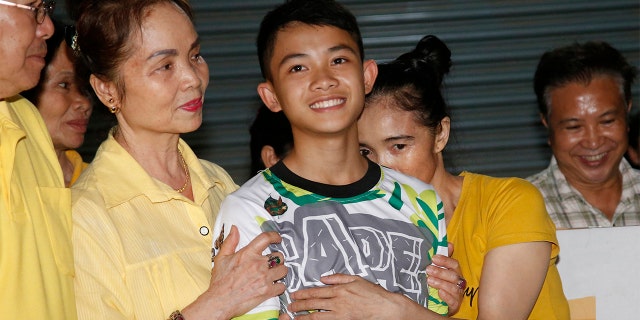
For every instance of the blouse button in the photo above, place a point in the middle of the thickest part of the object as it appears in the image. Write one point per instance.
(204, 230)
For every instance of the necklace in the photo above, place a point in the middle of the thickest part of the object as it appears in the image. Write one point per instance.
(186, 172)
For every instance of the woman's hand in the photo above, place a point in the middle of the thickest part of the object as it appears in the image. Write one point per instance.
(240, 280)
(446, 277)
(352, 297)
(347, 297)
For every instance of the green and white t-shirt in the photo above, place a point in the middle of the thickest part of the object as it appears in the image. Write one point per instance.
(385, 228)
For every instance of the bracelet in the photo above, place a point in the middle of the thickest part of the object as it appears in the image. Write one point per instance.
(176, 315)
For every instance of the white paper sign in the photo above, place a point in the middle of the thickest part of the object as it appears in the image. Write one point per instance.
(605, 263)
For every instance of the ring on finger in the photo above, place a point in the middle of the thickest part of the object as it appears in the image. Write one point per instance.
(462, 283)
(273, 261)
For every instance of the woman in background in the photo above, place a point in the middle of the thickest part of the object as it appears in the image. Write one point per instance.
(63, 103)
(504, 240)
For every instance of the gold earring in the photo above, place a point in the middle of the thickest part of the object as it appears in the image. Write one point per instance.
(114, 109)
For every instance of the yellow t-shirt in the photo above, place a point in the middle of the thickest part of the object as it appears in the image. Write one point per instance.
(142, 249)
(78, 164)
(36, 261)
(494, 212)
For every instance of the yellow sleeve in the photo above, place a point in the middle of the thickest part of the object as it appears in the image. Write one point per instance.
(101, 291)
(518, 214)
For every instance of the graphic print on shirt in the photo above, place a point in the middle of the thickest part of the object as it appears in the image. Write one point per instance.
(323, 237)
(327, 239)
(385, 228)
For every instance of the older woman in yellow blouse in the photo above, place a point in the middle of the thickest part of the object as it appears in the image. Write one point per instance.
(143, 209)
(65, 109)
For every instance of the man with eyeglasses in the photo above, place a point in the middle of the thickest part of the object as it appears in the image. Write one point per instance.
(36, 257)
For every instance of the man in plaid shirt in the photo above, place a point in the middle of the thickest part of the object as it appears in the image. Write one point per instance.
(584, 96)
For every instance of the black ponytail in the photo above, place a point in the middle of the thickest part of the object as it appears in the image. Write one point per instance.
(414, 80)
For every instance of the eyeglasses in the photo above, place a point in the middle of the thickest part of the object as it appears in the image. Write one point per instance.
(42, 10)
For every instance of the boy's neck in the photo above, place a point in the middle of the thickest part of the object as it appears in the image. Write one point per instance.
(333, 160)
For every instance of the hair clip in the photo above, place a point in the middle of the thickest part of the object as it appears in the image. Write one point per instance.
(71, 37)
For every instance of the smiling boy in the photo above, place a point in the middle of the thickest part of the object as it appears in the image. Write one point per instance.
(336, 211)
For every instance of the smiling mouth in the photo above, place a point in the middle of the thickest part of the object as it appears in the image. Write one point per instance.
(327, 104)
(193, 105)
(596, 157)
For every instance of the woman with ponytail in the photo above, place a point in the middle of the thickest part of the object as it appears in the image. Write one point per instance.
(505, 242)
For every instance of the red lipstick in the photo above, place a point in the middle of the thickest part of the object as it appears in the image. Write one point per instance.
(193, 105)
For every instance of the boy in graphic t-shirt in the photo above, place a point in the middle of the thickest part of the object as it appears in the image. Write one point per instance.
(336, 211)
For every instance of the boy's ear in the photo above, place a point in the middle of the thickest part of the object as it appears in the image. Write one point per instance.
(370, 69)
(105, 90)
(268, 96)
(268, 156)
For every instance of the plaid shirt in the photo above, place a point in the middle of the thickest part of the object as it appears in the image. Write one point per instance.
(569, 209)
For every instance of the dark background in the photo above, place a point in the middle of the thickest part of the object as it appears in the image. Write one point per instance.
(495, 44)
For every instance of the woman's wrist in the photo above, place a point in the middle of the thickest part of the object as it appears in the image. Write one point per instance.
(206, 307)
(409, 309)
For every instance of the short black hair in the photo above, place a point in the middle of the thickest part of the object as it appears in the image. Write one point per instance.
(310, 12)
(580, 63)
(269, 129)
